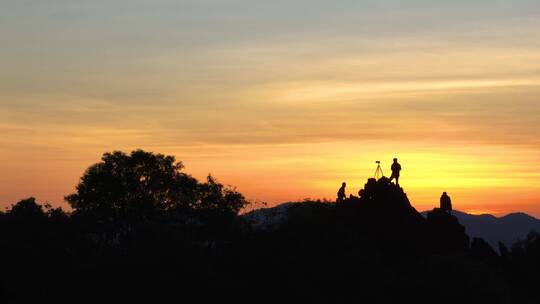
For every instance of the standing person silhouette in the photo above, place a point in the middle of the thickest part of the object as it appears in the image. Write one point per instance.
(341, 193)
(396, 168)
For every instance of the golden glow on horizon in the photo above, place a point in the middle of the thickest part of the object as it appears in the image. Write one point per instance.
(283, 113)
(481, 211)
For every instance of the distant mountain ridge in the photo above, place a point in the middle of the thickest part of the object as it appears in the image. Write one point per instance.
(507, 229)
(267, 218)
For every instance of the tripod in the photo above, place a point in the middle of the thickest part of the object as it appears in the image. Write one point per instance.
(378, 173)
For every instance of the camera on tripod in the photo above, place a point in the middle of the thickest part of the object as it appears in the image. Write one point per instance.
(378, 173)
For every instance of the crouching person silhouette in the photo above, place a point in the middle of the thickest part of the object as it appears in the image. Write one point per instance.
(396, 168)
(446, 202)
(341, 194)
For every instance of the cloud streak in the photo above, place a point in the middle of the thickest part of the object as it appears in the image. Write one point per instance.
(284, 99)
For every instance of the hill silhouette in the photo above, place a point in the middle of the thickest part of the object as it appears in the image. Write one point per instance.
(508, 229)
(377, 243)
(143, 230)
(383, 215)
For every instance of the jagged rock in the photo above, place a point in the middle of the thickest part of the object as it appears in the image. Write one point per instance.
(446, 233)
(481, 250)
(386, 217)
(382, 217)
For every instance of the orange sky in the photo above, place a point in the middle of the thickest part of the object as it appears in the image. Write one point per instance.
(284, 100)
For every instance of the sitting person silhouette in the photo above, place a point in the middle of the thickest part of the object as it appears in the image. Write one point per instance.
(341, 193)
(396, 168)
(446, 202)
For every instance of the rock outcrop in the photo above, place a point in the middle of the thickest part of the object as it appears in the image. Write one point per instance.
(382, 217)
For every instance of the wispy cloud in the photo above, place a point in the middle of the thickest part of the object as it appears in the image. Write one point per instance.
(282, 98)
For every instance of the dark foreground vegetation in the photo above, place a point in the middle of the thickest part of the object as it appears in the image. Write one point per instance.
(142, 230)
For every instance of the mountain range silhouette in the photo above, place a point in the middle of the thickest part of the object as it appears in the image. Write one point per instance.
(508, 229)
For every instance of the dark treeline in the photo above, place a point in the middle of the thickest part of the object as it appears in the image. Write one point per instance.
(141, 229)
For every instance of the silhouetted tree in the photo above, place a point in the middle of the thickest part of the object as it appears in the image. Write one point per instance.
(214, 196)
(523, 267)
(135, 185)
(56, 214)
(144, 184)
(27, 209)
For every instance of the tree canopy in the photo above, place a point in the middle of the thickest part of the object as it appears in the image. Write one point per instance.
(143, 184)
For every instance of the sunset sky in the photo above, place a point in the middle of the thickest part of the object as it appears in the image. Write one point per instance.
(282, 99)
